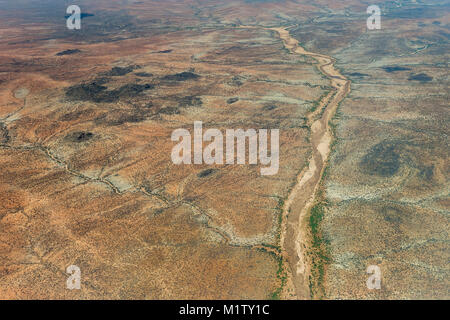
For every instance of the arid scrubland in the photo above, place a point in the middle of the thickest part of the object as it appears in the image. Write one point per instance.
(86, 177)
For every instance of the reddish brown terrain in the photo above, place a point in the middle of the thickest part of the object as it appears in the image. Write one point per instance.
(86, 176)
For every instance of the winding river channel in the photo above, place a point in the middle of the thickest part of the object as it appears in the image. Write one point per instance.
(294, 238)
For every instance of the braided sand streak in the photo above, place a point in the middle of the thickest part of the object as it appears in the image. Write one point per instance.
(294, 238)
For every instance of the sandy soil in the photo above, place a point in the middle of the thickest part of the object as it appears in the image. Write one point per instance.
(301, 198)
